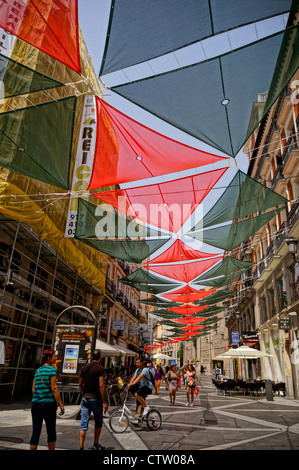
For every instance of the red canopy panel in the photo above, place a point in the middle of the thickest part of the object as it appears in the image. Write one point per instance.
(187, 310)
(138, 151)
(167, 205)
(187, 294)
(184, 272)
(189, 320)
(51, 27)
(179, 251)
(193, 328)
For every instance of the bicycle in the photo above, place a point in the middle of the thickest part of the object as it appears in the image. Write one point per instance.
(119, 419)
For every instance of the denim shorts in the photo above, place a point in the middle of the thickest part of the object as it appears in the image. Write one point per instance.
(89, 405)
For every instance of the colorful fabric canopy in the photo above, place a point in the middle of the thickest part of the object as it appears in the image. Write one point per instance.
(242, 197)
(100, 222)
(216, 297)
(179, 251)
(50, 26)
(227, 266)
(184, 272)
(19, 79)
(230, 236)
(150, 35)
(37, 141)
(214, 108)
(220, 281)
(163, 204)
(157, 302)
(189, 320)
(128, 151)
(187, 294)
(187, 310)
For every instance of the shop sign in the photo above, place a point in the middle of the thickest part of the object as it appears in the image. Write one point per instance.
(235, 338)
(118, 325)
(284, 324)
(250, 337)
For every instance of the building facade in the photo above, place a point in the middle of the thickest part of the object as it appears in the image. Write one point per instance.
(267, 302)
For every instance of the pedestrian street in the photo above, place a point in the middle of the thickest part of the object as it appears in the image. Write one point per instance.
(215, 422)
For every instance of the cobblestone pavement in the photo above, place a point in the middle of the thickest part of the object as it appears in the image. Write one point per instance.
(215, 422)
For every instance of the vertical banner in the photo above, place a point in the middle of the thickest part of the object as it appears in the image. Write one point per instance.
(73, 346)
(83, 163)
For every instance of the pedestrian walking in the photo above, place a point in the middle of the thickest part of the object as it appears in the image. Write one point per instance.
(45, 397)
(158, 378)
(94, 398)
(172, 384)
(191, 383)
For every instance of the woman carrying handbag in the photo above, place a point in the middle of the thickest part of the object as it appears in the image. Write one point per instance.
(45, 397)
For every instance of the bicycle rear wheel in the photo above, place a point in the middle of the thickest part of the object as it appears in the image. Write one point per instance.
(154, 420)
(118, 422)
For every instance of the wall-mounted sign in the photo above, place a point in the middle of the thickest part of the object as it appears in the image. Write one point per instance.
(235, 338)
(284, 324)
(118, 325)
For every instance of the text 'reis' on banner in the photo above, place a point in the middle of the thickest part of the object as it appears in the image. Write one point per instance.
(37, 141)
(187, 294)
(167, 205)
(129, 151)
(184, 272)
(50, 26)
(83, 162)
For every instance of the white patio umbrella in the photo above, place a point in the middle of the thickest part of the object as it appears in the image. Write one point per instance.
(161, 356)
(244, 352)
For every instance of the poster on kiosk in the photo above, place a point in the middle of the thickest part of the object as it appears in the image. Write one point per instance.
(73, 346)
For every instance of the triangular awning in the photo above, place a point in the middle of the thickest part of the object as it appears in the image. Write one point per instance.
(214, 108)
(189, 320)
(19, 79)
(178, 252)
(147, 37)
(51, 27)
(128, 151)
(187, 309)
(162, 204)
(187, 294)
(184, 272)
(242, 197)
(228, 237)
(37, 141)
(216, 297)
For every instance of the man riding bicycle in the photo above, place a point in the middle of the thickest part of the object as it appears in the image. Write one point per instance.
(142, 385)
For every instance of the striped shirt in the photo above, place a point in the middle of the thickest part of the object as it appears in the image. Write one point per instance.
(42, 391)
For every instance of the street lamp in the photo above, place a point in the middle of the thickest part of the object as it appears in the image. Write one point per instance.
(292, 245)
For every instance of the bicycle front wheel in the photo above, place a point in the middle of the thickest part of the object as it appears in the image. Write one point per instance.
(118, 422)
(154, 420)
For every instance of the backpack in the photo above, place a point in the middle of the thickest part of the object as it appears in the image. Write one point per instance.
(151, 377)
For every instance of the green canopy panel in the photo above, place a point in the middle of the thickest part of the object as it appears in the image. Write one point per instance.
(228, 237)
(226, 88)
(37, 141)
(156, 302)
(220, 281)
(19, 79)
(96, 221)
(216, 297)
(134, 251)
(150, 288)
(242, 197)
(227, 266)
(165, 314)
(209, 311)
(140, 276)
(177, 25)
